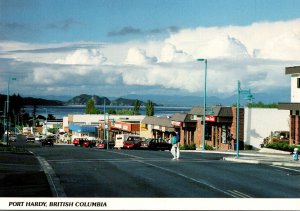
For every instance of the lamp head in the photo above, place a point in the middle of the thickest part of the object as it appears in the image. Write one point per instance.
(249, 97)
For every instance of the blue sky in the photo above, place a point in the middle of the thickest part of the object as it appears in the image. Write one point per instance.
(119, 20)
(119, 47)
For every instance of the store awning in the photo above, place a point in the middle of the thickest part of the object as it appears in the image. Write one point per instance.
(84, 128)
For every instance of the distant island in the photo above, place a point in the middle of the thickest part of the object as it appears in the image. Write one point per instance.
(84, 98)
(77, 100)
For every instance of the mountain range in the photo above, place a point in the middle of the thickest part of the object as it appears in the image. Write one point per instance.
(163, 100)
(174, 100)
(77, 100)
(84, 98)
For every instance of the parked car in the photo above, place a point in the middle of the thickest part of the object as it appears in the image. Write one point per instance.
(103, 144)
(121, 138)
(12, 138)
(39, 138)
(78, 141)
(48, 141)
(89, 143)
(84, 142)
(156, 144)
(30, 139)
(132, 143)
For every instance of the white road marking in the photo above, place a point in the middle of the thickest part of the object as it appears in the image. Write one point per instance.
(202, 182)
(239, 194)
(286, 168)
(126, 160)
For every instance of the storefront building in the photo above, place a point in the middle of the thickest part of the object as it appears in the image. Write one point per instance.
(113, 128)
(220, 127)
(156, 127)
(93, 126)
(294, 105)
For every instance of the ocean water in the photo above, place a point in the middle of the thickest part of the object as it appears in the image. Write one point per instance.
(60, 111)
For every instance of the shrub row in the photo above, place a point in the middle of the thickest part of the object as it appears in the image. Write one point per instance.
(12, 149)
(193, 147)
(282, 146)
(188, 147)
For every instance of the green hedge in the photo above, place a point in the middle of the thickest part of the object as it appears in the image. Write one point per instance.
(208, 147)
(188, 147)
(12, 149)
(282, 146)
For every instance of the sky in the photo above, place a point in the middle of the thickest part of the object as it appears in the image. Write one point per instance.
(117, 47)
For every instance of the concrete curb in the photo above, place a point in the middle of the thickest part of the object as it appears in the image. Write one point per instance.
(54, 182)
(266, 162)
(252, 154)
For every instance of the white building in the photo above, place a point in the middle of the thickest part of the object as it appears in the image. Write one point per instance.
(294, 106)
(90, 125)
(259, 122)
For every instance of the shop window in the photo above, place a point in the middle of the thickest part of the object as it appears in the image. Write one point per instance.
(226, 136)
(208, 129)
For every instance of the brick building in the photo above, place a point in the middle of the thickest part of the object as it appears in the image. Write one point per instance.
(220, 127)
(294, 105)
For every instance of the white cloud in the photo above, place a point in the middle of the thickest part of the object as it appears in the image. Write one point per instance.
(256, 55)
(169, 53)
(83, 57)
(236, 41)
(138, 56)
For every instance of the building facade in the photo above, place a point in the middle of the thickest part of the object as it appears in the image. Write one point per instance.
(294, 105)
(260, 122)
(100, 126)
(220, 127)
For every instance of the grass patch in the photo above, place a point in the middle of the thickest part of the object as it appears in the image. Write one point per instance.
(13, 149)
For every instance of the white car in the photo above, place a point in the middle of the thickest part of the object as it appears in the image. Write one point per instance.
(39, 138)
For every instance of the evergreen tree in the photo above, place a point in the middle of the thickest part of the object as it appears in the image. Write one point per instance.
(136, 109)
(90, 107)
(149, 108)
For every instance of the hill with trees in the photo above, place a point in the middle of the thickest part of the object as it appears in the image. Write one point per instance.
(84, 98)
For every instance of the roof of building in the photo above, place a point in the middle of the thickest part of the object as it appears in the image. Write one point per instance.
(220, 111)
(292, 70)
(289, 106)
(154, 120)
(179, 117)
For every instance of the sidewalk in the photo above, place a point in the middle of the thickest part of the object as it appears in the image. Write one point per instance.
(264, 156)
(22, 176)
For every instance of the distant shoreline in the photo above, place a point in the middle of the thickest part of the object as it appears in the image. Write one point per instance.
(61, 111)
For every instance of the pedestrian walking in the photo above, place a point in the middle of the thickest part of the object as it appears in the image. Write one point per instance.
(175, 146)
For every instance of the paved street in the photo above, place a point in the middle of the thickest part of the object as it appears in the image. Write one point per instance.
(91, 172)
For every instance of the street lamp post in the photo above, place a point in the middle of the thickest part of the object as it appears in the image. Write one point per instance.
(204, 101)
(104, 129)
(46, 130)
(7, 108)
(249, 97)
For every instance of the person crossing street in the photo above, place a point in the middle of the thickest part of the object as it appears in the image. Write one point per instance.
(175, 146)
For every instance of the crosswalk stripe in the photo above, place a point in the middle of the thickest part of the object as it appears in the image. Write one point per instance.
(239, 194)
